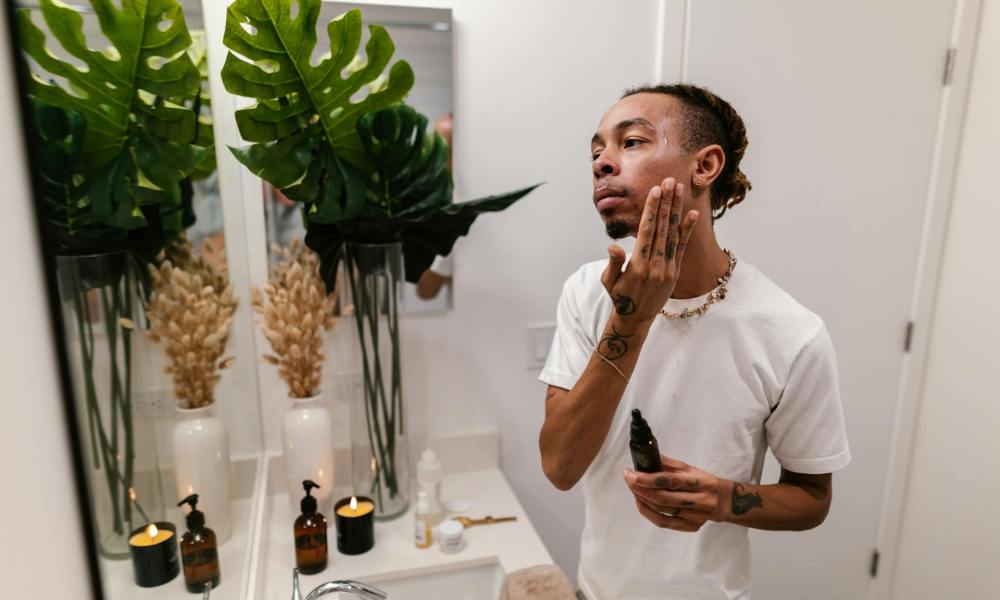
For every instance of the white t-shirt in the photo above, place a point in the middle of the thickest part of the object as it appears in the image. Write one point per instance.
(757, 370)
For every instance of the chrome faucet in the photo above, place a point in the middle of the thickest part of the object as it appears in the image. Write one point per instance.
(342, 585)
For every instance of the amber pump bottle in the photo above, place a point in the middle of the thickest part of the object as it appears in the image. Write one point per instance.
(199, 551)
(310, 534)
(642, 443)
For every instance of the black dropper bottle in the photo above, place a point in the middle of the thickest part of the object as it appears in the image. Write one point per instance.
(310, 534)
(199, 550)
(642, 443)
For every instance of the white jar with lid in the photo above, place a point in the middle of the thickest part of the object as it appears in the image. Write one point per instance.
(450, 539)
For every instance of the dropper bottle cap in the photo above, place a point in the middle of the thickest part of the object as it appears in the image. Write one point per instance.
(195, 518)
(640, 430)
(308, 504)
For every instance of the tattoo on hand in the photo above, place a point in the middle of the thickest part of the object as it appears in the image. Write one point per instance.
(687, 503)
(661, 482)
(624, 305)
(645, 251)
(613, 345)
(671, 250)
(692, 483)
(675, 218)
(742, 503)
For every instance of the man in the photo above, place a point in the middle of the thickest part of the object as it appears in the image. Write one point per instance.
(721, 362)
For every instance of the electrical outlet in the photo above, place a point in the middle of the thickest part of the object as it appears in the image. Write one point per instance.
(539, 341)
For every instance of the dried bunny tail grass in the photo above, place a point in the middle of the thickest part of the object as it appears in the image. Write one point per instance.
(292, 311)
(190, 312)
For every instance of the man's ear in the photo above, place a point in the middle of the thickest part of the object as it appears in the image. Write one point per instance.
(708, 165)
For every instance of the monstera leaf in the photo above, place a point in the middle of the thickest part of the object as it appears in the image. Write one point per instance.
(202, 107)
(408, 193)
(68, 220)
(304, 118)
(138, 133)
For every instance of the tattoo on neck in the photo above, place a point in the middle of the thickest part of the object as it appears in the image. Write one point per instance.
(624, 305)
(613, 345)
(742, 503)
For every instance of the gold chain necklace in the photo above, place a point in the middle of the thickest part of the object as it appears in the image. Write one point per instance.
(715, 296)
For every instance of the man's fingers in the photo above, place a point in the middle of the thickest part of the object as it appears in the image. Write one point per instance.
(647, 224)
(661, 520)
(686, 230)
(673, 463)
(658, 252)
(666, 480)
(616, 258)
(664, 501)
(673, 233)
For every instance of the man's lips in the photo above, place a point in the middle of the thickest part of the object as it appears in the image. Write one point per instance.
(609, 202)
(609, 197)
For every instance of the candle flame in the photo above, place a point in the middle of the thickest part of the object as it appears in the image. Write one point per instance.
(354, 503)
(152, 530)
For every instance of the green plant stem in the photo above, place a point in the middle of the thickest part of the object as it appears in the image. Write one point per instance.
(371, 417)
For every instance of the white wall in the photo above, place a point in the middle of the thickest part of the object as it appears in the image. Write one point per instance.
(950, 537)
(531, 82)
(32, 427)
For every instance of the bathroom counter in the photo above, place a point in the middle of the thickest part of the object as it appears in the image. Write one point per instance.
(508, 546)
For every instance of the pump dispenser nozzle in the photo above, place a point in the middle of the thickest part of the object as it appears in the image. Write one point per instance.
(308, 504)
(195, 518)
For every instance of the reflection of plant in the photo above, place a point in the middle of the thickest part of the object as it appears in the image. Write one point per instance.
(136, 145)
(292, 311)
(191, 312)
(112, 139)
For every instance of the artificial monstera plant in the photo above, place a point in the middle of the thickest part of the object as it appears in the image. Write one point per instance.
(138, 135)
(365, 171)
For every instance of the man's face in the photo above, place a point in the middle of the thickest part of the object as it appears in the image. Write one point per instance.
(636, 147)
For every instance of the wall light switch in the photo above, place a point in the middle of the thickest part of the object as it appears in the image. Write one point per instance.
(539, 341)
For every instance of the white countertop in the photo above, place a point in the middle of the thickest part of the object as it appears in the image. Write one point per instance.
(511, 546)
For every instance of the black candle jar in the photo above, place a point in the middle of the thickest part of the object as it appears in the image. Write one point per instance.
(154, 554)
(355, 525)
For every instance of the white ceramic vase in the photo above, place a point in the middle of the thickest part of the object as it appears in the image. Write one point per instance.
(202, 466)
(307, 447)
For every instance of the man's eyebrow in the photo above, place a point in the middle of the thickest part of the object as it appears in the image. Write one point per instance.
(623, 125)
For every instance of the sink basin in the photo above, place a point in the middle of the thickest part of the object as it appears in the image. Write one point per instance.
(481, 582)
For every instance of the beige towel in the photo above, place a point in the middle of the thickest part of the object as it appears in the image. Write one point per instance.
(544, 582)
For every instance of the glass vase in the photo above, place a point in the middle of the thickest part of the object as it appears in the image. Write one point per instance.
(102, 312)
(370, 293)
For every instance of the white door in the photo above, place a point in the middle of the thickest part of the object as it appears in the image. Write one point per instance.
(841, 102)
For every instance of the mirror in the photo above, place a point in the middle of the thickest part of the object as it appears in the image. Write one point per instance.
(164, 401)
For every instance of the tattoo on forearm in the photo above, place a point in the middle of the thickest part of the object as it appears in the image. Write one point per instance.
(742, 503)
(671, 249)
(624, 305)
(550, 394)
(613, 345)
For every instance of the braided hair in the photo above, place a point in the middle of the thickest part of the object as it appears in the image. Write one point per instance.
(708, 119)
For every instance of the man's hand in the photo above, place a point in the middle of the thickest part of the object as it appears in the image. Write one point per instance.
(646, 284)
(680, 497)
(684, 498)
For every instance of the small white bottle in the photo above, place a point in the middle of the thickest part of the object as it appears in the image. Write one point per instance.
(429, 481)
(422, 522)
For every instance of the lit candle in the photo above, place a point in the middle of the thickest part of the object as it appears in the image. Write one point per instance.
(154, 554)
(355, 525)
